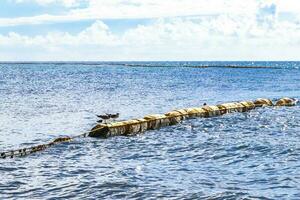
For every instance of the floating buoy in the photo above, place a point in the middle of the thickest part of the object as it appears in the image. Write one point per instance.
(286, 102)
(211, 111)
(263, 102)
(231, 107)
(248, 105)
(175, 117)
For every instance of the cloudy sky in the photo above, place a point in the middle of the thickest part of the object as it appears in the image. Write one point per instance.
(149, 30)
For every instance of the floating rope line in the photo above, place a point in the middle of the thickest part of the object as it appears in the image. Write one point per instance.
(151, 122)
(30, 150)
(195, 66)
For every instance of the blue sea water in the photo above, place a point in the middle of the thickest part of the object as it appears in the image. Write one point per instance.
(253, 155)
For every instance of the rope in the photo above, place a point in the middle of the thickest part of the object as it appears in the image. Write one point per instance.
(30, 150)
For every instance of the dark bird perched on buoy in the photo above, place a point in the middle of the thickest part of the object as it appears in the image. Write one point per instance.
(107, 116)
(104, 117)
(114, 116)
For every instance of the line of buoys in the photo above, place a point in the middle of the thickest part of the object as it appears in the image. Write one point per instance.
(152, 122)
(194, 66)
(30, 150)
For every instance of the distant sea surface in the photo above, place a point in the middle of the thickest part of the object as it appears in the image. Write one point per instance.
(254, 155)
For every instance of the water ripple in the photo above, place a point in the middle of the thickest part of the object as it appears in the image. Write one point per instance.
(251, 155)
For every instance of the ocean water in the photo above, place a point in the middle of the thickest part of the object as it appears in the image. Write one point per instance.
(253, 155)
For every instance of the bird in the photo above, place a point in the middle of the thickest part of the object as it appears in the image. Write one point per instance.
(114, 116)
(104, 117)
(204, 104)
(107, 116)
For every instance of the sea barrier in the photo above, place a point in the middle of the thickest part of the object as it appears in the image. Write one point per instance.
(195, 66)
(155, 121)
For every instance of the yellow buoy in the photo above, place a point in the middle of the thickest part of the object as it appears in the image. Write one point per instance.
(211, 111)
(286, 102)
(263, 102)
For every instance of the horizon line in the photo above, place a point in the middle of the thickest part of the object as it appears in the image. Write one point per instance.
(119, 61)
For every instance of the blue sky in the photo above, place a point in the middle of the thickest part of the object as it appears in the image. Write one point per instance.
(72, 30)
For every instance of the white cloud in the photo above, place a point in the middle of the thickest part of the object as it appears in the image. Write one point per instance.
(136, 9)
(214, 30)
(224, 37)
(139, 9)
(66, 3)
(97, 34)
